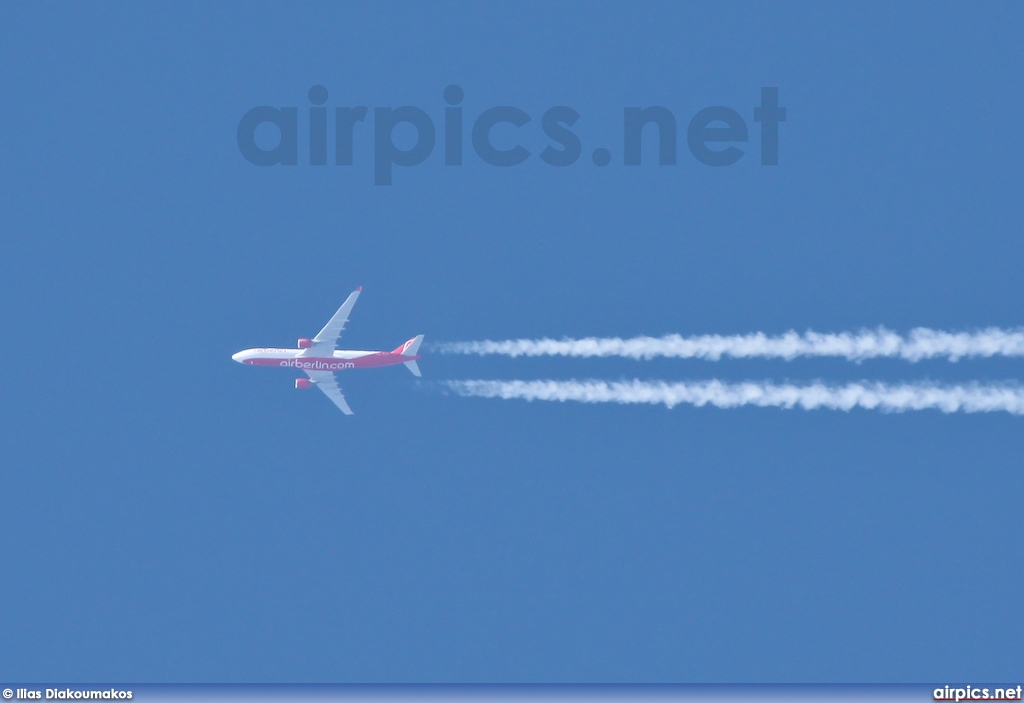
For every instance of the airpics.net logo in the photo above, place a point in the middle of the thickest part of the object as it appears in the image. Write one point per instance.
(712, 134)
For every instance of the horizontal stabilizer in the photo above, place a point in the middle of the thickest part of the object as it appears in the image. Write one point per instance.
(412, 366)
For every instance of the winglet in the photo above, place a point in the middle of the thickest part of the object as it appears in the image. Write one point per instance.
(360, 288)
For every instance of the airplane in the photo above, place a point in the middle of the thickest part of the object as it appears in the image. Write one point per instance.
(320, 358)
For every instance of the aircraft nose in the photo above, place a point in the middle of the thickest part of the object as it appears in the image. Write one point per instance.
(237, 357)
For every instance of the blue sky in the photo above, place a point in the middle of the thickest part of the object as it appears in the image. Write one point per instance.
(172, 516)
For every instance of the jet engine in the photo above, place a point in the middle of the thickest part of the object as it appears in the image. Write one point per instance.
(303, 383)
(305, 343)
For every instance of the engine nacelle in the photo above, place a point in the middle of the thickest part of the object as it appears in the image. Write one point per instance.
(305, 343)
(303, 383)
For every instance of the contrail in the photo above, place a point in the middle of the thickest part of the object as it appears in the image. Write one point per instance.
(972, 398)
(920, 343)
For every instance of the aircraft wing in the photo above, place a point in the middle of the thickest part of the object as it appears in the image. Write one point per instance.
(325, 381)
(326, 340)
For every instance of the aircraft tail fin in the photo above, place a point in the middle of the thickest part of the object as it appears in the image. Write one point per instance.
(409, 349)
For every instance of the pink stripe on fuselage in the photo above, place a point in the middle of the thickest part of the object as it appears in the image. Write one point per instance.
(320, 363)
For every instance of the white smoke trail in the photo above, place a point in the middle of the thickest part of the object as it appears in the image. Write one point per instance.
(872, 396)
(921, 343)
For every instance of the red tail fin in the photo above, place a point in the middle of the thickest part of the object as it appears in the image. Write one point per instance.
(409, 348)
